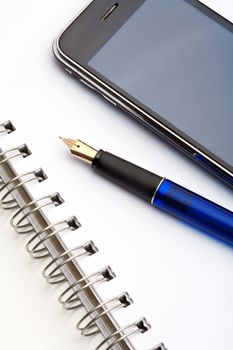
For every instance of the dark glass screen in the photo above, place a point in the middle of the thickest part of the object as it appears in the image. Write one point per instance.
(179, 62)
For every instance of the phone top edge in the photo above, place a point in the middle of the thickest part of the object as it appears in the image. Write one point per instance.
(72, 20)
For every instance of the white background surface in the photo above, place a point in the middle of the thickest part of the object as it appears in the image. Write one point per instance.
(189, 300)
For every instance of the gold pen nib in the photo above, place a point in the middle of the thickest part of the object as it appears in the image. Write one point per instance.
(80, 149)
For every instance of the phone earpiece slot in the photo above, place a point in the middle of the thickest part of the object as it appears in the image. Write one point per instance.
(109, 12)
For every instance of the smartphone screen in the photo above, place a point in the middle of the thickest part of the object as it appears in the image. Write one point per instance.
(177, 61)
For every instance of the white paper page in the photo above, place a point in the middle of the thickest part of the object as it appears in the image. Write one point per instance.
(179, 278)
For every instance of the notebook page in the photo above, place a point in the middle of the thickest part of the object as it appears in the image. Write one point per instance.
(179, 278)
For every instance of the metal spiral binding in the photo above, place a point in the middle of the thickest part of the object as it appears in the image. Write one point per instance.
(7, 127)
(70, 297)
(139, 326)
(20, 220)
(59, 227)
(15, 184)
(160, 346)
(51, 273)
(39, 251)
(21, 151)
(87, 324)
(55, 272)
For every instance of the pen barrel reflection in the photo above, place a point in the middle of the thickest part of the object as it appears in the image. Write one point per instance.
(195, 210)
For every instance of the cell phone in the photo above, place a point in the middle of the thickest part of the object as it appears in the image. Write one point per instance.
(168, 63)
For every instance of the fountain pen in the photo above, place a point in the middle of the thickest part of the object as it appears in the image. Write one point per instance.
(160, 192)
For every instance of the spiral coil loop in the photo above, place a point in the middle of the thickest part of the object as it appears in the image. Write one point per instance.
(160, 346)
(21, 151)
(2, 183)
(16, 183)
(20, 220)
(141, 326)
(39, 251)
(72, 301)
(88, 328)
(51, 271)
(7, 127)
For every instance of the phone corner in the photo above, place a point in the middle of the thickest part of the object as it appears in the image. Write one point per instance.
(56, 49)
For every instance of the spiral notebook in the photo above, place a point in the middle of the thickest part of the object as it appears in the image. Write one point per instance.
(44, 241)
(109, 309)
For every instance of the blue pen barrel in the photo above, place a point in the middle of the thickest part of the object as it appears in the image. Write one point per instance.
(195, 210)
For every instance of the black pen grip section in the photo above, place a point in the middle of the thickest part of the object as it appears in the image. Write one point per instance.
(130, 176)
